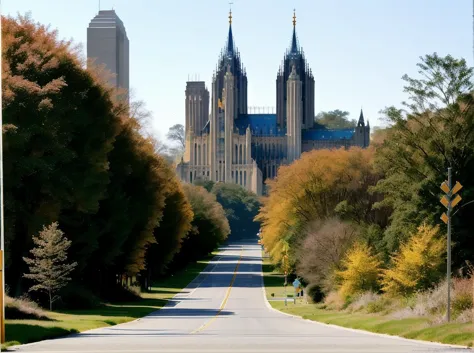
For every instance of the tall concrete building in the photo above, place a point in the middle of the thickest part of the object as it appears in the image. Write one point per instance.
(234, 146)
(107, 43)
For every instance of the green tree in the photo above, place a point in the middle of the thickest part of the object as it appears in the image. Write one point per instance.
(241, 207)
(48, 266)
(56, 157)
(209, 227)
(432, 133)
(335, 119)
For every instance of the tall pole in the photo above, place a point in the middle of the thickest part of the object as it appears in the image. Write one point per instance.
(448, 271)
(2, 223)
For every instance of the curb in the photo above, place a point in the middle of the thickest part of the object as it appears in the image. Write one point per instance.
(393, 337)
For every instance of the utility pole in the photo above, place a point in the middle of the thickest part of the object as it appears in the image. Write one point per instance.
(449, 202)
(2, 220)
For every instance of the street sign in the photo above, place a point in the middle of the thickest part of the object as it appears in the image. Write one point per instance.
(456, 188)
(449, 201)
(456, 200)
(444, 218)
(445, 201)
(445, 187)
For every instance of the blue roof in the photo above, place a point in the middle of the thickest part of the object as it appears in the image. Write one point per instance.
(339, 134)
(260, 124)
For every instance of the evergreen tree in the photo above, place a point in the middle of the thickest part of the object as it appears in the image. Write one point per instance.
(48, 266)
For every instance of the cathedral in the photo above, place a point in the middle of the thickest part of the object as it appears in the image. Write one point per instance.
(232, 145)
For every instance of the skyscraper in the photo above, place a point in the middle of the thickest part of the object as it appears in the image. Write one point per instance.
(107, 43)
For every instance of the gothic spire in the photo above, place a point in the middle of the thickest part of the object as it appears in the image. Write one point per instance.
(230, 37)
(361, 119)
(294, 41)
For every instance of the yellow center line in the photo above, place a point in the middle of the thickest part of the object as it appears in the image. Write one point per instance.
(226, 297)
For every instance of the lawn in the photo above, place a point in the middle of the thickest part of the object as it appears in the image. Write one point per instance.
(66, 322)
(415, 328)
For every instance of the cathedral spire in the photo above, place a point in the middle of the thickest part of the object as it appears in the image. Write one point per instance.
(294, 42)
(361, 119)
(230, 37)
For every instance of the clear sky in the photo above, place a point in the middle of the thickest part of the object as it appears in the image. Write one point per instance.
(358, 49)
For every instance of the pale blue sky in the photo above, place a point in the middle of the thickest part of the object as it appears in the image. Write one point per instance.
(358, 50)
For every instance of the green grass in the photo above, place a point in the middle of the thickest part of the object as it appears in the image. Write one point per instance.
(415, 328)
(74, 321)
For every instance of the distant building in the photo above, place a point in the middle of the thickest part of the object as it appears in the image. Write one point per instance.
(233, 146)
(108, 44)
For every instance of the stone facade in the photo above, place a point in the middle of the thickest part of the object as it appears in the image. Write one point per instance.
(230, 145)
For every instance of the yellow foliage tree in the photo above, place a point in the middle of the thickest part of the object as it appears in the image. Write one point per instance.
(360, 270)
(418, 264)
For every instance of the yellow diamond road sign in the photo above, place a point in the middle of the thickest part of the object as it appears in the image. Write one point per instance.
(456, 200)
(445, 201)
(444, 187)
(456, 188)
(444, 218)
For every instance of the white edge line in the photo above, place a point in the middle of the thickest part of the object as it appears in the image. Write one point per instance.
(429, 343)
(128, 322)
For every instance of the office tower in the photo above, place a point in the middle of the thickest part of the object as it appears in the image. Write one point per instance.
(107, 43)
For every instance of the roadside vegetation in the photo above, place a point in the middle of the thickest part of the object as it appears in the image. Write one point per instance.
(362, 229)
(419, 317)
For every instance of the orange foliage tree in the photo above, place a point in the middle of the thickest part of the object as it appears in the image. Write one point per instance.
(320, 185)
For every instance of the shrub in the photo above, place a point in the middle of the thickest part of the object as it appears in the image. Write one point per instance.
(75, 296)
(314, 293)
(23, 309)
(361, 270)
(418, 264)
(123, 294)
(322, 250)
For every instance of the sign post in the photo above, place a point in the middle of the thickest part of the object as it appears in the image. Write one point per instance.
(449, 201)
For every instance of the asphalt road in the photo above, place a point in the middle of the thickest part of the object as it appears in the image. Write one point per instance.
(224, 310)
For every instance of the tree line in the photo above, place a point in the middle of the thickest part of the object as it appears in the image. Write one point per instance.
(361, 220)
(77, 160)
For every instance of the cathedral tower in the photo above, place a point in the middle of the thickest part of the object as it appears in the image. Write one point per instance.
(294, 56)
(229, 101)
(294, 114)
(196, 113)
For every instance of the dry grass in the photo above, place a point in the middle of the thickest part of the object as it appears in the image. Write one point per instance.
(23, 309)
(363, 301)
(334, 301)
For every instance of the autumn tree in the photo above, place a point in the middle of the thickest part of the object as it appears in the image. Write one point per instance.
(48, 266)
(360, 270)
(434, 131)
(321, 185)
(419, 263)
(335, 119)
(56, 157)
(173, 228)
